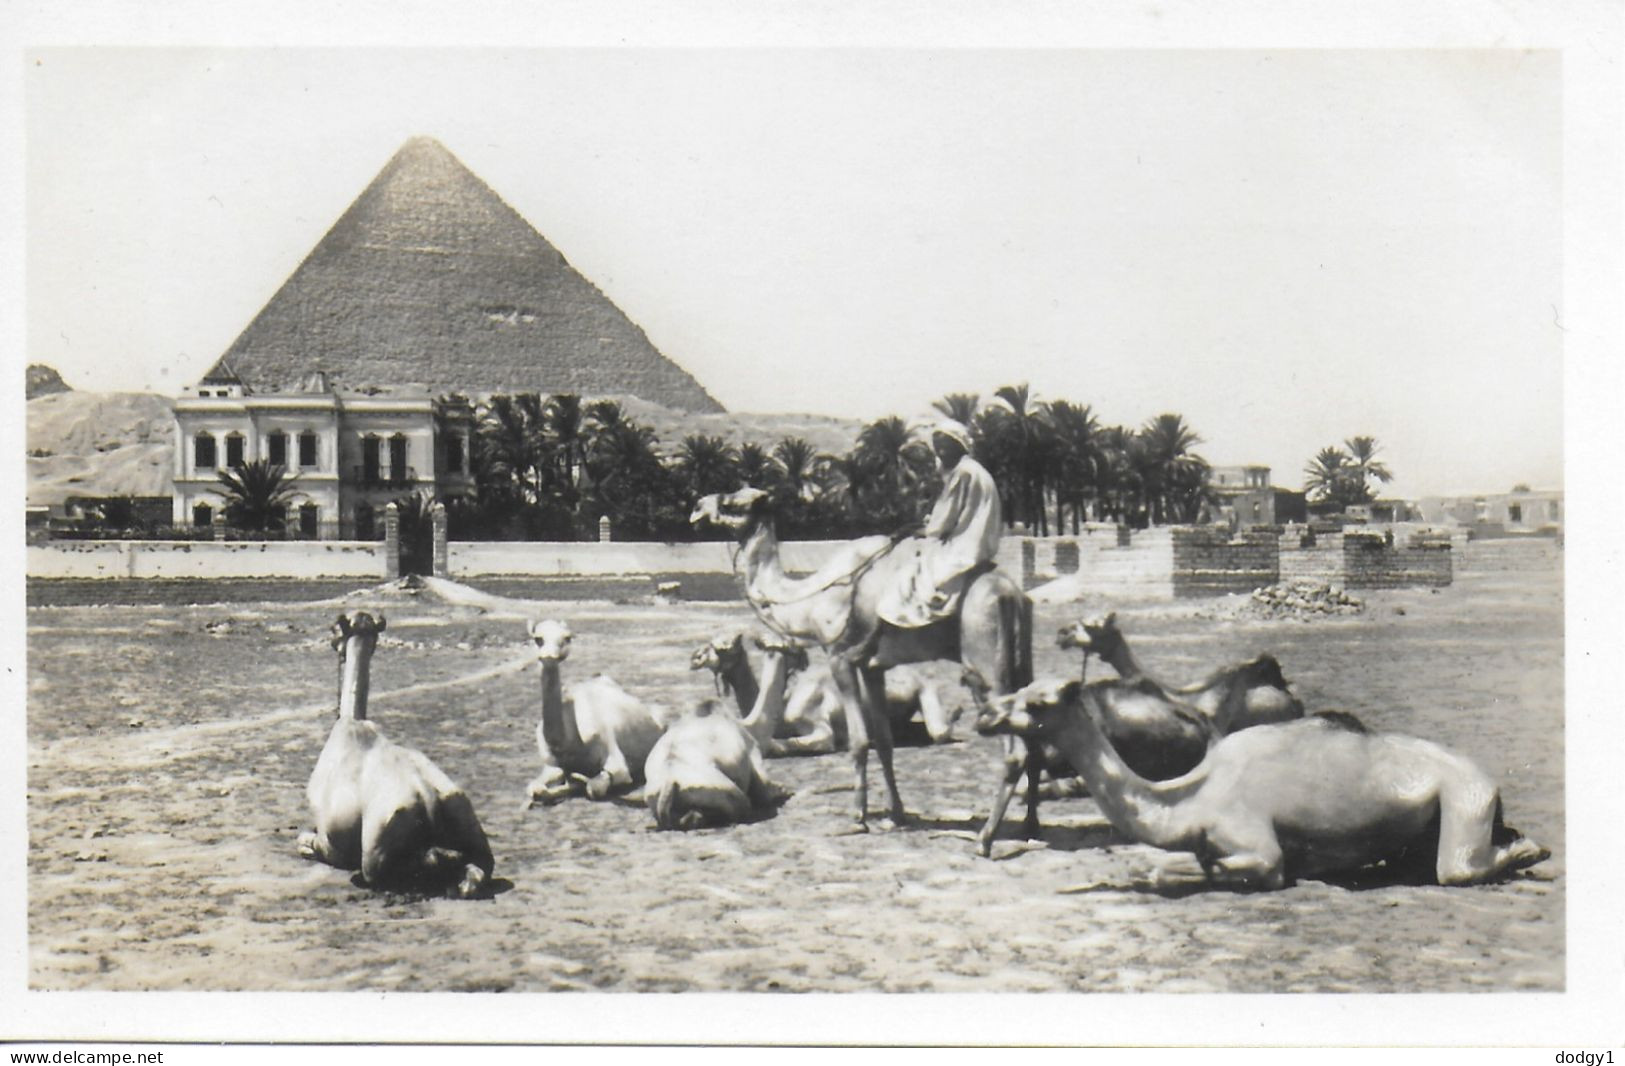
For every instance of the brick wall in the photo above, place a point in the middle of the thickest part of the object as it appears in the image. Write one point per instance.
(1209, 562)
(1369, 562)
(1321, 562)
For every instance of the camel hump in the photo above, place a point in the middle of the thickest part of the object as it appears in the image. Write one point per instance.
(1342, 720)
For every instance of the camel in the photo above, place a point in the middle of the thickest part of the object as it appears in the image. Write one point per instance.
(599, 737)
(708, 769)
(1303, 798)
(382, 808)
(1269, 698)
(814, 719)
(835, 607)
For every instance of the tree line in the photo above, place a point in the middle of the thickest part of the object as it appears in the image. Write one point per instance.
(550, 467)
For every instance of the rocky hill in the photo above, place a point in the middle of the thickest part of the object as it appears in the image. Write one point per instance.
(99, 444)
(43, 380)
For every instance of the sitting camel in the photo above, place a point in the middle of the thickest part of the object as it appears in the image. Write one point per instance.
(708, 768)
(382, 808)
(814, 720)
(599, 737)
(1268, 697)
(1285, 800)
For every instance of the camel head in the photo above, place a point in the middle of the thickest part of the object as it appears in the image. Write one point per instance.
(776, 645)
(719, 655)
(1264, 670)
(361, 625)
(738, 511)
(1091, 635)
(552, 640)
(1027, 711)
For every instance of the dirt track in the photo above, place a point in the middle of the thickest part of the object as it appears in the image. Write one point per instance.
(169, 749)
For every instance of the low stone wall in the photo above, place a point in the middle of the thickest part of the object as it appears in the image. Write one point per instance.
(1369, 562)
(1210, 562)
(1101, 560)
(206, 559)
(615, 558)
(1321, 561)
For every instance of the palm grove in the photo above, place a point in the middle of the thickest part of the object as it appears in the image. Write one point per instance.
(549, 468)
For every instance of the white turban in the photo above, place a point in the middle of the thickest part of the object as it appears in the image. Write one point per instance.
(954, 431)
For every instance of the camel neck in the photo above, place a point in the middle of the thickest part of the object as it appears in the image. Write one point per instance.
(558, 721)
(1122, 660)
(765, 582)
(1138, 808)
(768, 709)
(354, 677)
(741, 679)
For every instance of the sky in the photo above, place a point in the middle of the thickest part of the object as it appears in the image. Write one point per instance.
(1288, 248)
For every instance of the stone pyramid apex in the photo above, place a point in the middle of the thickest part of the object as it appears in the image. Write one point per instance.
(430, 281)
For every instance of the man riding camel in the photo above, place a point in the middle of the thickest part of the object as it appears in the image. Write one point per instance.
(960, 538)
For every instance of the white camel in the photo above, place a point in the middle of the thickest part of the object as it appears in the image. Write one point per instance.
(1269, 698)
(597, 739)
(708, 768)
(814, 716)
(382, 808)
(1285, 800)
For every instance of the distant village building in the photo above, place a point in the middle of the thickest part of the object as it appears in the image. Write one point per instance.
(1521, 512)
(1246, 495)
(356, 377)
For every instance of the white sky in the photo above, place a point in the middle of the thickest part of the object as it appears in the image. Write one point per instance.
(1289, 248)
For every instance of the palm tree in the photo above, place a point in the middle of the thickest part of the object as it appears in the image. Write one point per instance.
(798, 469)
(256, 496)
(1362, 456)
(511, 441)
(707, 464)
(1328, 479)
(1023, 439)
(755, 467)
(900, 471)
(1077, 457)
(1173, 475)
(959, 406)
(566, 428)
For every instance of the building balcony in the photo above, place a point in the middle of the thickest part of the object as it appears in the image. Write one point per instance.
(384, 477)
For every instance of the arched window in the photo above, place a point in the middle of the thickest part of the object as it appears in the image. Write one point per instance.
(202, 514)
(234, 450)
(308, 516)
(363, 522)
(307, 449)
(203, 451)
(276, 448)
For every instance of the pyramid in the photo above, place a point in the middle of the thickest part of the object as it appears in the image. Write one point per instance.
(431, 282)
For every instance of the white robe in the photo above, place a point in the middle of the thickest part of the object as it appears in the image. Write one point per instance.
(962, 532)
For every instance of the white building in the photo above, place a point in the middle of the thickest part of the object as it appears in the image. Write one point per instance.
(348, 455)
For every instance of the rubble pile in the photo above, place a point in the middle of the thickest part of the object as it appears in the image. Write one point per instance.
(1303, 599)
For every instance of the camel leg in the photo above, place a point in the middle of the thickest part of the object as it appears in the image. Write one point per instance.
(1251, 859)
(459, 829)
(614, 776)
(938, 724)
(1015, 764)
(844, 670)
(1469, 852)
(1034, 769)
(550, 786)
(316, 847)
(872, 686)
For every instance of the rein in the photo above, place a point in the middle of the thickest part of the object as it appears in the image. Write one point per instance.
(763, 611)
